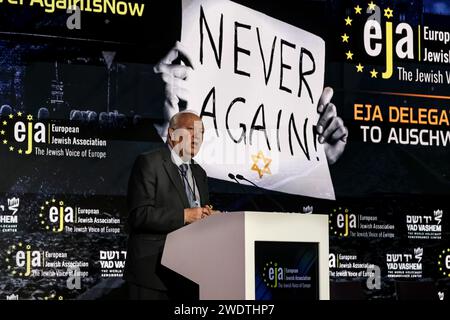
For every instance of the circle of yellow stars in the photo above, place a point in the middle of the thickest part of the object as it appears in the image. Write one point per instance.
(345, 38)
(44, 208)
(268, 265)
(266, 163)
(441, 262)
(4, 138)
(11, 251)
(330, 221)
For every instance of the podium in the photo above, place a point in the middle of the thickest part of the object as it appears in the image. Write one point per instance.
(253, 255)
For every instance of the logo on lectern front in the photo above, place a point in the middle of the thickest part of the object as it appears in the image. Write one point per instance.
(272, 274)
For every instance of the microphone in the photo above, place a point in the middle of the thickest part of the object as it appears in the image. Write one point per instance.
(233, 177)
(241, 177)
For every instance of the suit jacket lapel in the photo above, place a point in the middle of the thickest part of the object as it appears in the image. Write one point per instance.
(175, 178)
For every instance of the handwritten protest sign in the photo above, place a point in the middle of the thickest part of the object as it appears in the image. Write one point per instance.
(256, 84)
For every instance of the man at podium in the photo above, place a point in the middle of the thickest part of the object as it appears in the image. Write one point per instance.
(166, 190)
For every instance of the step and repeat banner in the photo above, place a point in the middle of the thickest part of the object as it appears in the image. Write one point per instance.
(316, 107)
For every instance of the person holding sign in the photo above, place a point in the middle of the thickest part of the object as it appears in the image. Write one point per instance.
(331, 130)
(257, 82)
(166, 191)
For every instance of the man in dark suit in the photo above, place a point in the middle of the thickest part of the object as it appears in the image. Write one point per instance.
(166, 191)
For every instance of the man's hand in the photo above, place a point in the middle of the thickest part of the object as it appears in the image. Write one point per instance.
(194, 214)
(175, 78)
(330, 127)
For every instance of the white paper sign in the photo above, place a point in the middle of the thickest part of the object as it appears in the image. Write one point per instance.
(256, 83)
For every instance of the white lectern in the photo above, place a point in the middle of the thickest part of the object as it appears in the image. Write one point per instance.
(218, 253)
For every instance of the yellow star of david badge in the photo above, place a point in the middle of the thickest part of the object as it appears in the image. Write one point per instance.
(255, 167)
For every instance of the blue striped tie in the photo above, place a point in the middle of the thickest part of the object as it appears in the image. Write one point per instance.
(189, 192)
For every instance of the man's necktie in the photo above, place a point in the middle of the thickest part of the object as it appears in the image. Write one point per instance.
(187, 187)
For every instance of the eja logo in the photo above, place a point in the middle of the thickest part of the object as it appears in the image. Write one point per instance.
(380, 36)
(444, 262)
(19, 133)
(272, 274)
(342, 221)
(55, 214)
(21, 260)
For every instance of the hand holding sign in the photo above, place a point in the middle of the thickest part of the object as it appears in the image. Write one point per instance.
(175, 77)
(332, 132)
